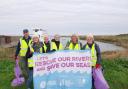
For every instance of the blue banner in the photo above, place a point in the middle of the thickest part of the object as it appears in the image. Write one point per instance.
(63, 70)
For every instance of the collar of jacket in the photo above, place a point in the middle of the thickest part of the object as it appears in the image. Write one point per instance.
(27, 38)
(90, 45)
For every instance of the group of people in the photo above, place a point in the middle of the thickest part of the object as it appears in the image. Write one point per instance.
(28, 45)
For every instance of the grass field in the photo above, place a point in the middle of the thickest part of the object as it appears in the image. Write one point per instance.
(115, 71)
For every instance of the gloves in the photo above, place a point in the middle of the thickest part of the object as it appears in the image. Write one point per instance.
(98, 66)
(16, 57)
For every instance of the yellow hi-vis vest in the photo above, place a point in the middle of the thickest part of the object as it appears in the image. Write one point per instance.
(53, 46)
(93, 54)
(77, 46)
(45, 47)
(24, 47)
(30, 60)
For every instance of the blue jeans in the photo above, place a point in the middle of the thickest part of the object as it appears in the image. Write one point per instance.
(30, 79)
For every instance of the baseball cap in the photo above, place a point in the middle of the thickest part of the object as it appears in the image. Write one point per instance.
(25, 31)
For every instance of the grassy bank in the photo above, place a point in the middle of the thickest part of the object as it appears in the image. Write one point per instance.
(116, 72)
(115, 54)
(6, 53)
(120, 40)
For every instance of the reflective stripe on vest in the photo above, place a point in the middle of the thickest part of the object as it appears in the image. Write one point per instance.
(53, 46)
(24, 46)
(77, 46)
(93, 53)
(30, 62)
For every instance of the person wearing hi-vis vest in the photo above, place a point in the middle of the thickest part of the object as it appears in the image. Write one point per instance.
(21, 50)
(46, 44)
(74, 43)
(95, 53)
(35, 47)
(56, 44)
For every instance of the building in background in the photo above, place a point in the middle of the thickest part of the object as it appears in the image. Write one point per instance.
(8, 41)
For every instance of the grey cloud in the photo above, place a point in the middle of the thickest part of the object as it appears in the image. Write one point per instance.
(96, 15)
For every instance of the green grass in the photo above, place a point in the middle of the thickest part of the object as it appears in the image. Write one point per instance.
(116, 73)
(7, 75)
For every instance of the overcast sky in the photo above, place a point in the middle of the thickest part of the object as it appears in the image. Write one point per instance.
(64, 16)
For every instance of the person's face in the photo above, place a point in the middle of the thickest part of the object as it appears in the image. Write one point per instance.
(26, 34)
(74, 39)
(89, 40)
(57, 38)
(46, 39)
(35, 39)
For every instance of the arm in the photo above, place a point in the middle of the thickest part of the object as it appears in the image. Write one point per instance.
(29, 54)
(30, 51)
(98, 54)
(17, 50)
